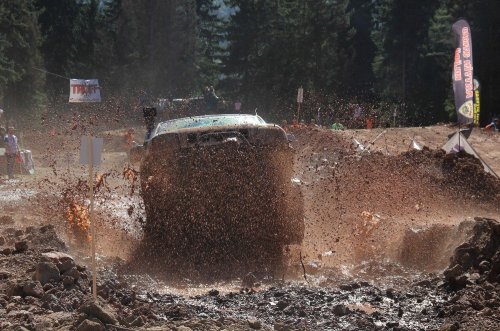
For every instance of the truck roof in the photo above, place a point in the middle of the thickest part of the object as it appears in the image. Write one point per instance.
(235, 120)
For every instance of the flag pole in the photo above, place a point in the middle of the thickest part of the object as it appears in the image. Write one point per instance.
(91, 212)
(459, 134)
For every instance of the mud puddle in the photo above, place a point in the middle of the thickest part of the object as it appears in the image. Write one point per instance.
(126, 213)
(12, 193)
(330, 300)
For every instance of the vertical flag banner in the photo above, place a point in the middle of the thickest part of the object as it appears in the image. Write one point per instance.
(463, 76)
(84, 90)
(477, 101)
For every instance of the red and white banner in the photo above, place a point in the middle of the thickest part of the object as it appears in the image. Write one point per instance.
(84, 90)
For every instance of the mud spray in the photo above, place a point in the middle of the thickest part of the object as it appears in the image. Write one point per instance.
(379, 231)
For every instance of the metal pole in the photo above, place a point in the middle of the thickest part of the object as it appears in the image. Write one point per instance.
(91, 212)
(459, 148)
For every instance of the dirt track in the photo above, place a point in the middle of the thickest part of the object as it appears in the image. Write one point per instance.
(376, 225)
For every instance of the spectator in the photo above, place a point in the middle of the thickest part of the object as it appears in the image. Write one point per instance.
(337, 126)
(129, 138)
(11, 151)
(206, 92)
(144, 100)
(3, 132)
(211, 99)
(370, 120)
(494, 125)
(284, 125)
(149, 114)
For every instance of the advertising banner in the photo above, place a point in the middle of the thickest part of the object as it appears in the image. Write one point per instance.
(463, 76)
(477, 101)
(95, 144)
(84, 90)
(300, 95)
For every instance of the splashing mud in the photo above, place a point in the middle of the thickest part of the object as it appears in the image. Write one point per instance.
(220, 211)
(379, 230)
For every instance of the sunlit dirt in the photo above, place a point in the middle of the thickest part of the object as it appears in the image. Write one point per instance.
(373, 223)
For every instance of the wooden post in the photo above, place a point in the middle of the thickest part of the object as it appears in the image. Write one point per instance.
(67, 160)
(91, 212)
(19, 152)
(300, 99)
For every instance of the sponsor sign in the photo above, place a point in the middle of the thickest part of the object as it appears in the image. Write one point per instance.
(84, 90)
(463, 81)
(300, 95)
(477, 102)
(95, 144)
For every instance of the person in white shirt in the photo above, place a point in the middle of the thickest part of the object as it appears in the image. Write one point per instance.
(11, 150)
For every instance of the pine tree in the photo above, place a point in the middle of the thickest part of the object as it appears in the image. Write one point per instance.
(21, 91)
(84, 61)
(401, 30)
(106, 62)
(437, 61)
(211, 38)
(156, 45)
(277, 46)
(362, 77)
(60, 43)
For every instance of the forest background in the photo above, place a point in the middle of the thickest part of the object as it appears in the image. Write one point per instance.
(388, 56)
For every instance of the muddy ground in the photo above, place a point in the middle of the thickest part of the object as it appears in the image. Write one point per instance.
(395, 240)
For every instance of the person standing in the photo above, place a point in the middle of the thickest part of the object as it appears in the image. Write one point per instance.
(494, 125)
(3, 134)
(11, 151)
(149, 114)
(211, 100)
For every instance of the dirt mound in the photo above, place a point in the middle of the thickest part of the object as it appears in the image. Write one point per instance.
(461, 171)
(42, 288)
(427, 191)
(467, 173)
(478, 259)
(15, 239)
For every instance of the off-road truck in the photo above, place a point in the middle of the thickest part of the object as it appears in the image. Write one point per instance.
(217, 192)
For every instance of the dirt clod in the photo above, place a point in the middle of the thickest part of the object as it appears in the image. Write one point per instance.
(479, 255)
(93, 309)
